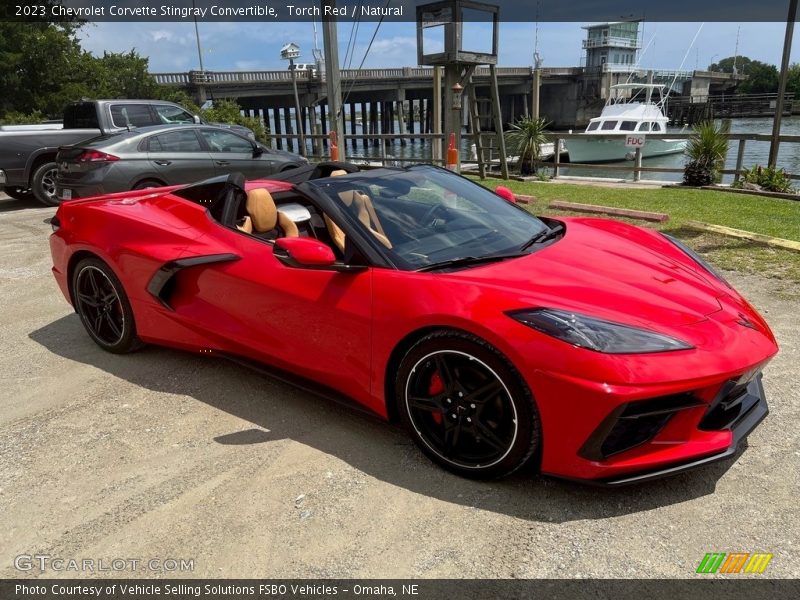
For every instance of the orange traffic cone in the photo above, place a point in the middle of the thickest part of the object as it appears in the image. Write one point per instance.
(334, 147)
(452, 153)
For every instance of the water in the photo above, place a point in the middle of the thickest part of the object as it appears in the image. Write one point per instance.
(756, 153)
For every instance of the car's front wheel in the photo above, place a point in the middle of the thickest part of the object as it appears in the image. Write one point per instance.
(103, 307)
(466, 406)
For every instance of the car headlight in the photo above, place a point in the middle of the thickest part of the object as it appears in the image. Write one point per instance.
(698, 259)
(596, 334)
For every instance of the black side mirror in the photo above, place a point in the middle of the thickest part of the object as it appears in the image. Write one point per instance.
(257, 151)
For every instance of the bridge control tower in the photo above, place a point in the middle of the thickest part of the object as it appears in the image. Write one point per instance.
(612, 46)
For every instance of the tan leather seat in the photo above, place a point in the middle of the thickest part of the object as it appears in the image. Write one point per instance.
(365, 211)
(265, 217)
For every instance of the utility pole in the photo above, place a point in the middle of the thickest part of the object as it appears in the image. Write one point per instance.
(787, 50)
(298, 117)
(197, 37)
(332, 75)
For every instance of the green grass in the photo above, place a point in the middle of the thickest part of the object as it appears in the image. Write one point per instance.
(770, 216)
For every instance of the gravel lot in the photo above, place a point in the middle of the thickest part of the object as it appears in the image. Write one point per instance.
(163, 454)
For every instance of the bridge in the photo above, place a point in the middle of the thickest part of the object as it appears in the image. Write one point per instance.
(393, 99)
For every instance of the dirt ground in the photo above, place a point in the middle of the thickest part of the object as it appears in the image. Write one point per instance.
(163, 454)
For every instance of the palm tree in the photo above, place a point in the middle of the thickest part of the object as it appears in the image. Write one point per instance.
(706, 150)
(525, 140)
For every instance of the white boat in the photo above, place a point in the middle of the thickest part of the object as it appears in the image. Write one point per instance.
(626, 112)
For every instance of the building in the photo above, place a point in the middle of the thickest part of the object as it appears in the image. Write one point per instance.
(613, 44)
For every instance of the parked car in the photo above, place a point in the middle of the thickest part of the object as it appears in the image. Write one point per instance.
(585, 348)
(149, 157)
(28, 153)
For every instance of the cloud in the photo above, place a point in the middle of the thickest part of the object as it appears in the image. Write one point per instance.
(172, 46)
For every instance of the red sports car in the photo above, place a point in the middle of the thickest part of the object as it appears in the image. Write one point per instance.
(587, 348)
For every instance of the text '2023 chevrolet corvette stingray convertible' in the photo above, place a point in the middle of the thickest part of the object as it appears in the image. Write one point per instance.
(587, 348)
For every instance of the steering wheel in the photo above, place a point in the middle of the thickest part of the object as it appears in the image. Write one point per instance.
(428, 217)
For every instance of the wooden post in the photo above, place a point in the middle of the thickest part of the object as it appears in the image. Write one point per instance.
(276, 117)
(556, 156)
(436, 143)
(352, 125)
(390, 120)
(287, 119)
(411, 119)
(739, 161)
(314, 129)
(498, 122)
(373, 121)
(364, 124)
(401, 121)
(323, 119)
(637, 164)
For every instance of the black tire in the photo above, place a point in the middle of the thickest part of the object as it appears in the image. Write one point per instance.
(147, 184)
(43, 184)
(487, 424)
(103, 307)
(18, 193)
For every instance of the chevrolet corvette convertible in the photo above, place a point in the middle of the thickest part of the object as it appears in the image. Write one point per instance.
(584, 348)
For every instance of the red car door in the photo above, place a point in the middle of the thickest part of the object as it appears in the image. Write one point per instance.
(314, 323)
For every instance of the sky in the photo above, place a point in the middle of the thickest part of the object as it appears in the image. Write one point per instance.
(172, 46)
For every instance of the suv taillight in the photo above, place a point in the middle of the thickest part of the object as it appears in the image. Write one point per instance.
(96, 156)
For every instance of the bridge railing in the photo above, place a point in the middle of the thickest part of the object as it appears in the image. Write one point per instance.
(228, 77)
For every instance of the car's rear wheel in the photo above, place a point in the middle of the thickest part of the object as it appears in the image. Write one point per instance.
(466, 406)
(147, 184)
(18, 193)
(103, 307)
(44, 183)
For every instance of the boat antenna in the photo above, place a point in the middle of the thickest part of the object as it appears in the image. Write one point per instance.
(685, 56)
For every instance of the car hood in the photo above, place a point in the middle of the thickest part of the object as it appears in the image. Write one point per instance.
(611, 270)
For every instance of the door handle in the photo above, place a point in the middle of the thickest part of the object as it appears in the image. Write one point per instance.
(163, 163)
(223, 163)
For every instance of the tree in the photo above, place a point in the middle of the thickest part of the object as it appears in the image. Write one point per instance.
(762, 78)
(43, 67)
(228, 111)
(793, 80)
(38, 63)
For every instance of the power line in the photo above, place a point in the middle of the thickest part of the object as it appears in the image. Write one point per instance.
(366, 53)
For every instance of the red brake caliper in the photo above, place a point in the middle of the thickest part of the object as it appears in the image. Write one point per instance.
(436, 387)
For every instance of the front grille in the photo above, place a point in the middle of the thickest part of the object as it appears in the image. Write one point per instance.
(633, 424)
(732, 402)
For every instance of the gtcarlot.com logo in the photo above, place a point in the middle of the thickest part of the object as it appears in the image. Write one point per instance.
(734, 562)
(45, 562)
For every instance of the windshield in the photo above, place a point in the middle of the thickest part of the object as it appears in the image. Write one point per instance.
(425, 215)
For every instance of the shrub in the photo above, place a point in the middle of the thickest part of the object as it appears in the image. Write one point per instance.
(18, 118)
(707, 149)
(525, 140)
(767, 178)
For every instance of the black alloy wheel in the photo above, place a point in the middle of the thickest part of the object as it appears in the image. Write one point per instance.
(466, 406)
(103, 307)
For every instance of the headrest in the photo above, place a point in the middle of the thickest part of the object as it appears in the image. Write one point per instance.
(338, 173)
(262, 211)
